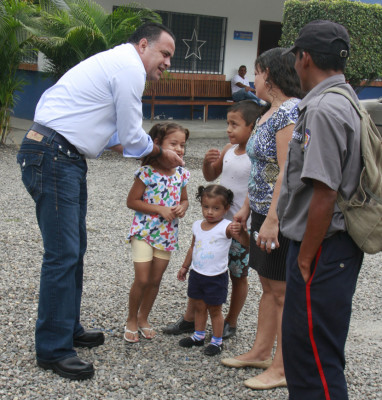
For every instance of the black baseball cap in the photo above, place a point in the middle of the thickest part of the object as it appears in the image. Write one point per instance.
(322, 36)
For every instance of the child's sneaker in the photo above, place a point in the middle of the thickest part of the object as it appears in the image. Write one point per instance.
(212, 350)
(190, 342)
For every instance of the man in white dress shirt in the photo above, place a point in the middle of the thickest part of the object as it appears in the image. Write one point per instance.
(97, 100)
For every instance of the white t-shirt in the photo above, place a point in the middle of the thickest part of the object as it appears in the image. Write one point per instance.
(235, 80)
(210, 252)
(235, 175)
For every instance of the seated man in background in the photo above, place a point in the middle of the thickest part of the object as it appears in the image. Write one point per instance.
(241, 89)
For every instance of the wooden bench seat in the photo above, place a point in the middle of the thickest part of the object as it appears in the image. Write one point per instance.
(188, 92)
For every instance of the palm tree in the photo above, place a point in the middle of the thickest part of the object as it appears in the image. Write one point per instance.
(69, 31)
(13, 43)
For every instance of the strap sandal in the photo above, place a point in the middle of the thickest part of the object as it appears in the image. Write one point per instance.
(135, 340)
(147, 333)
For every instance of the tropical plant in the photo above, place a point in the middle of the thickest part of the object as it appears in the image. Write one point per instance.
(13, 43)
(363, 22)
(69, 31)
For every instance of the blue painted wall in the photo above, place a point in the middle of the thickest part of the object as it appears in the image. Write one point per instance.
(370, 92)
(39, 82)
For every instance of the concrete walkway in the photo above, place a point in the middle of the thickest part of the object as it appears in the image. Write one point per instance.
(198, 128)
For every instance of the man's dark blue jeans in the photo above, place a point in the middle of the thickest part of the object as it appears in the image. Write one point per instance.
(55, 177)
(242, 94)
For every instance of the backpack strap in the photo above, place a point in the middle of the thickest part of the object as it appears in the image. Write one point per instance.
(346, 94)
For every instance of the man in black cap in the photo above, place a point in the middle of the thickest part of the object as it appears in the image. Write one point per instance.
(323, 261)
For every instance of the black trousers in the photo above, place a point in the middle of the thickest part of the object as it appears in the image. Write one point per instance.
(316, 319)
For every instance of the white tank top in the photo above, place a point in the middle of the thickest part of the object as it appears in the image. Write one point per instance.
(210, 252)
(235, 175)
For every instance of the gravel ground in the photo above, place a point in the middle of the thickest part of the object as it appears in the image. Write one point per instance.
(157, 369)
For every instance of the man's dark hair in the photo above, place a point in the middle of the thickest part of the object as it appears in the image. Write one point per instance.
(280, 71)
(150, 31)
(324, 61)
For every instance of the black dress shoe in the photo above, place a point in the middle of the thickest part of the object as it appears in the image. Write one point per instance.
(89, 339)
(180, 326)
(71, 368)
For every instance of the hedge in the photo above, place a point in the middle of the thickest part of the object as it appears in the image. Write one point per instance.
(363, 22)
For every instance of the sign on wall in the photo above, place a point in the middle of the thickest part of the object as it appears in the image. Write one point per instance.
(241, 35)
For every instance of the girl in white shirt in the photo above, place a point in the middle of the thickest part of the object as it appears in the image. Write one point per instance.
(208, 259)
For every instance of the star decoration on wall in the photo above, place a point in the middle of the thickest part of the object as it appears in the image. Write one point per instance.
(193, 46)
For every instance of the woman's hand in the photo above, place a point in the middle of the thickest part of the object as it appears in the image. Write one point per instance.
(268, 234)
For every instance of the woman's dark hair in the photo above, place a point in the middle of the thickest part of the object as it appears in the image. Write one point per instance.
(249, 110)
(160, 131)
(215, 191)
(150, 31)
(281, 72)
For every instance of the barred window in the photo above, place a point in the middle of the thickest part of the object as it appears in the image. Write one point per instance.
(200, 42)
(30, 55)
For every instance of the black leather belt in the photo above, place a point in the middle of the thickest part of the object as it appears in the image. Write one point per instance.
(48, 132)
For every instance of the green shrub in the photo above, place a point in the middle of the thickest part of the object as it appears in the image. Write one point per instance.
(13, 42)
(363, 22)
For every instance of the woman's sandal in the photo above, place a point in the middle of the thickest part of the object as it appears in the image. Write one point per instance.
(136, 340)
(147, 335)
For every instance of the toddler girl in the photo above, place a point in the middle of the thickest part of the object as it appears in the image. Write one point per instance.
(208, 258)
(158, 197)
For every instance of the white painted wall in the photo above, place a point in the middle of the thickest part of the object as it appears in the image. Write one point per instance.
(242, 15)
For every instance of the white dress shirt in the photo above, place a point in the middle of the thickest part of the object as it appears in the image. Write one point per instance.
(96, 98)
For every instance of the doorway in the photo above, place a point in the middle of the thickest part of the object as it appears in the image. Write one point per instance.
(269, 36)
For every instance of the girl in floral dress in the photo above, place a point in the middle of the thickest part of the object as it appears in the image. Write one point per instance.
(159, 197)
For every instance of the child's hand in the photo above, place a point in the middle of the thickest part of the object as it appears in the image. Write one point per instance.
(179, 210)
(167, 213)
(211, 156)
(238, 233)
(235, 228)
(182, 274)
(242, 217)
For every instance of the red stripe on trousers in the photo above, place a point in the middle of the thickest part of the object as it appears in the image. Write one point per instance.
(310, 323)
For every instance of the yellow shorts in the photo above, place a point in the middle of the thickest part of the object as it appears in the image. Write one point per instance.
(143, 252)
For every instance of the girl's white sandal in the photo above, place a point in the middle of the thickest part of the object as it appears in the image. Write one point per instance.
(147, 335)
(133, 333)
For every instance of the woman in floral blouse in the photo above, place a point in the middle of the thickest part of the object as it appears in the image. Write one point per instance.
(276, 82)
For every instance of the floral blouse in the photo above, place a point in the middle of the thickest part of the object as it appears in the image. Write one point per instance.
(163, 190)
(261, 150)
